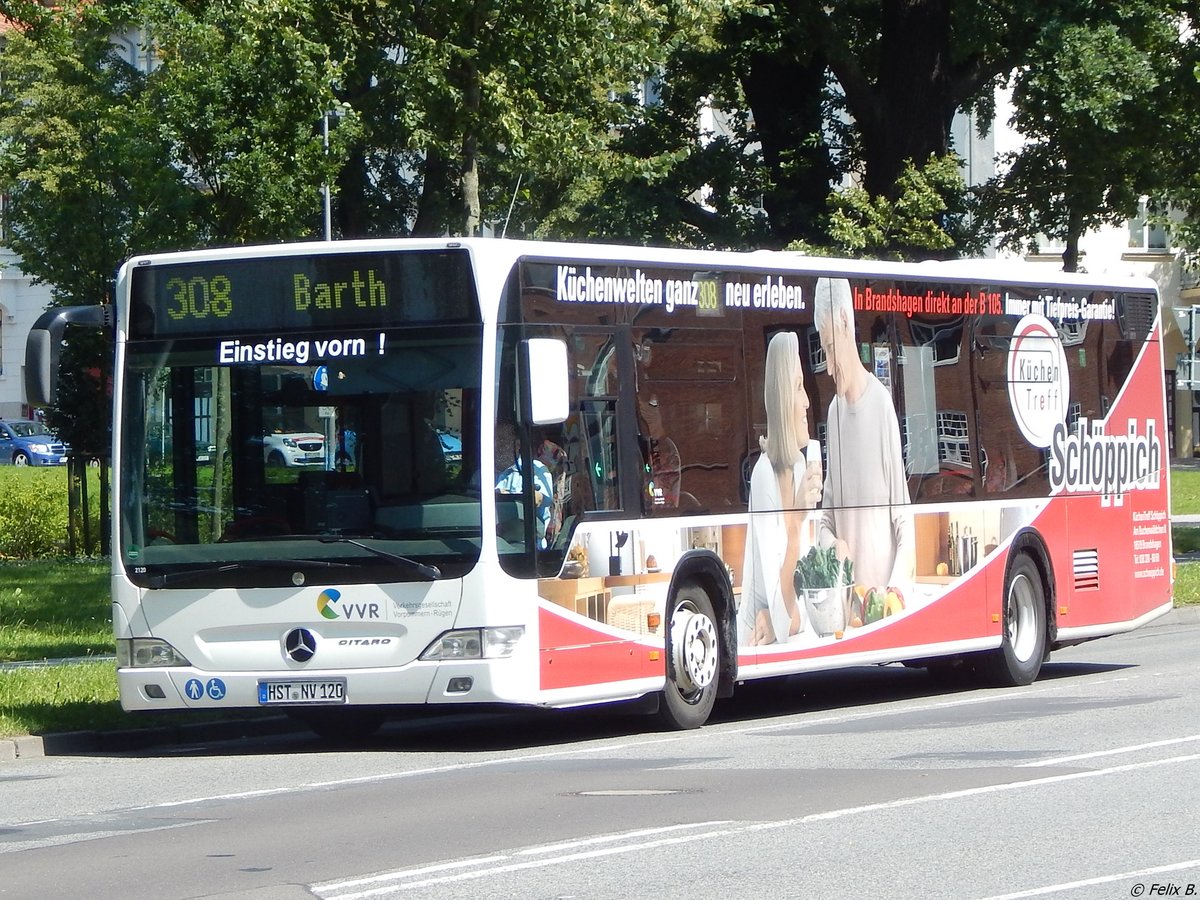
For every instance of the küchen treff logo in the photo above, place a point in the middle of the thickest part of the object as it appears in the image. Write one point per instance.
(1038, 383)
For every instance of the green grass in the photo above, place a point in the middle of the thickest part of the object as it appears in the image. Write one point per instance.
(1185, 492)
(82, 697)
(56, 609)
(52, 609)
(51, 699)
(1187, 584)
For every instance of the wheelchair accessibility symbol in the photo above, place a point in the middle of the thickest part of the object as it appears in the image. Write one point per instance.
(215, 689)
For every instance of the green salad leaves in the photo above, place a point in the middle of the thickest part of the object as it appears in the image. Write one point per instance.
(819, 568)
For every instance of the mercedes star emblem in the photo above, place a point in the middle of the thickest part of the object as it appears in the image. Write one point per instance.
(300, 644)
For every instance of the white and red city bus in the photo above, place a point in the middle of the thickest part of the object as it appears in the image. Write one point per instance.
(360, 475)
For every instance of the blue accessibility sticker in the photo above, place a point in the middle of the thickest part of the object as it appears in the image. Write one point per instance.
(215, 689)
(194, 689)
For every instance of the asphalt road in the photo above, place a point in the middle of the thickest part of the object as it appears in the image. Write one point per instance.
(869, 783)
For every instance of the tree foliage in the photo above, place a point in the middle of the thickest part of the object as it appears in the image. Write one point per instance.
(725, 147)
(682, 168)
(728, 123)
(930, 211)
(84, 187)
(1099, 109)
(236, 96)
(459, 99)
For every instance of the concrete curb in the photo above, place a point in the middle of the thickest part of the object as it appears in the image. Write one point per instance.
(80, 743)
(1180, 615)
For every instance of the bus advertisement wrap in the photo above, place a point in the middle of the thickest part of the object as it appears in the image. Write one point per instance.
(882, 501)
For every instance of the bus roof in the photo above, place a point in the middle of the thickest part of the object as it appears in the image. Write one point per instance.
(974, 270)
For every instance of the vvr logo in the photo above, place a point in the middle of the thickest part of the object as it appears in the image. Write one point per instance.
(330, 606)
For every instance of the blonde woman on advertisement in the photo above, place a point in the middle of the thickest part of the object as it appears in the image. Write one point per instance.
(783, 486)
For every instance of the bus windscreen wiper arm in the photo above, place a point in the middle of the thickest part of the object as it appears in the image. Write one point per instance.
(433, 573)
(184, 575)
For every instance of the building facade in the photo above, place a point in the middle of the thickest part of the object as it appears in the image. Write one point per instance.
(21, 302)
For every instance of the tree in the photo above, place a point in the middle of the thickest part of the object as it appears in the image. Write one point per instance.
(82, 188)
(98, 162)
(724, 147)
(898, 71)
(1098, 108)
(85, 186)
(238, 94)
(661, 179)
(813, 92)
(1181, 176)
(457, 99)
(930, 212)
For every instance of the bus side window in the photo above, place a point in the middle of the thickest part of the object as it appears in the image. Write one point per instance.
(592, 446)
(691, 414)
(599, 425)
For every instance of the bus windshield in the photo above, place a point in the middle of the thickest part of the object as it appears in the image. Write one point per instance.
(361, 468)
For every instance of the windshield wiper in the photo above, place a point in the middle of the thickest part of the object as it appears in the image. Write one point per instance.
(433, 573)
(182, 576)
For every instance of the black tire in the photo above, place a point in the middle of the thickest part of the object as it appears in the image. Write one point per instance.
(954, 673)
(20, 458)
(343, 725)
(1023, 638)
(693, 659)
(276, 459)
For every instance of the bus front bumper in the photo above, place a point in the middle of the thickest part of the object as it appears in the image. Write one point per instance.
(178, 688)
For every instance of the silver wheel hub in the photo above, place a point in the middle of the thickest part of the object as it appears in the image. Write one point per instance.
(1020, 618)
(694, 650)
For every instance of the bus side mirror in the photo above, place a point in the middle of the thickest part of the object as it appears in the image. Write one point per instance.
(546, 374)
(41, 365)
(43, 343)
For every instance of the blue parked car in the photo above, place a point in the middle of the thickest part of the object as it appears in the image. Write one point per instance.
(26, 443)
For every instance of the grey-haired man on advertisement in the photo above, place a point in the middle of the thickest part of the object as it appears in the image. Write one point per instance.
(865, 498)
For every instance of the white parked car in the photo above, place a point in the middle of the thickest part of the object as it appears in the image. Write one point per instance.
(294, 449)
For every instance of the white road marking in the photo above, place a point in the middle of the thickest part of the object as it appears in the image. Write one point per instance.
(1132, 748)
(535, 864)
(1103, 879)
(609, 838)
(332, 887)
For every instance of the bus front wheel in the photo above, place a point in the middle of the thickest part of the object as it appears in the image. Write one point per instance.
(693, 659)
(1023, 639)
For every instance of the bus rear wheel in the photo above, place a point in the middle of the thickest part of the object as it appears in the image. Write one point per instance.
(1023, 639)
(693, 659)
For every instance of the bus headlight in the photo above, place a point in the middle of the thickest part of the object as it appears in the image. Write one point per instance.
(475, 643)
(144, 653)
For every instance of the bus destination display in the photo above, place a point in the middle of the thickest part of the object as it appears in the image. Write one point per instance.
(273, 294)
